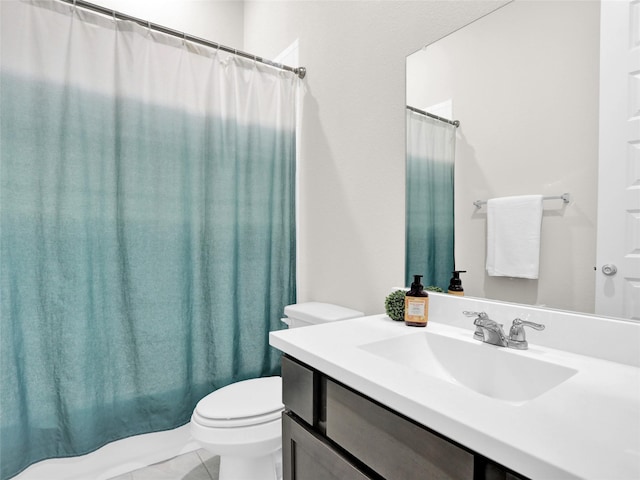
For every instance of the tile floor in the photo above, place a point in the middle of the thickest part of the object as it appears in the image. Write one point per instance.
(197, 465)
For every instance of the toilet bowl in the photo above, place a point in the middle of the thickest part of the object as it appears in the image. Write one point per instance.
(242, 422)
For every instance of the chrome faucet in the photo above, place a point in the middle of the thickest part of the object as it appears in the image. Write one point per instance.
(489, 331)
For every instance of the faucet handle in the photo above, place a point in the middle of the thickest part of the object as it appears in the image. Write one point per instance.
(517, 335)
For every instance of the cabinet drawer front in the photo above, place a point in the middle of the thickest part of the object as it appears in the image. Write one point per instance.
(306, 456)
(298, 387)
(391, 445)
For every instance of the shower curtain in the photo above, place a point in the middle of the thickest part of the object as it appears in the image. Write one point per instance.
(147, 234)
(429, 203)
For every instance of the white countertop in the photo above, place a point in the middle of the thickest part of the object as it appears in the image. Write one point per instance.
(587, 427)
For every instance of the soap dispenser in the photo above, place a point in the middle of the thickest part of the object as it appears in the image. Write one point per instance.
(455, 284)
(416, 304)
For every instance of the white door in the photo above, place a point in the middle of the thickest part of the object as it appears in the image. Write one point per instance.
(618, 243)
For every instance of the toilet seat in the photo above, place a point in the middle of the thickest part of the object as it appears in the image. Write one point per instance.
(241, 404)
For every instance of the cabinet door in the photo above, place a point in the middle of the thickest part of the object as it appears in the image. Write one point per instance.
(305, 456)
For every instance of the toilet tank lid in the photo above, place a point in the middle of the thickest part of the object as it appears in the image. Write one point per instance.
(318, 312)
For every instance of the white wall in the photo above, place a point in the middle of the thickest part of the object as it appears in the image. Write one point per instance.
(352, 157)
(524, 84)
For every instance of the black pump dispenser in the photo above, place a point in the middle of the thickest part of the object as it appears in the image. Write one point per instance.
(455, 284)
(416, 304)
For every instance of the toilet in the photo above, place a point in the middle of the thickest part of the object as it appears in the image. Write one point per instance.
(242, 422)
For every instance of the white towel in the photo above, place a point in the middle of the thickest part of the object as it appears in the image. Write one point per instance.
(513, 236)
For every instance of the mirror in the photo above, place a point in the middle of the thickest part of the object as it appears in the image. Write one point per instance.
(523, 83)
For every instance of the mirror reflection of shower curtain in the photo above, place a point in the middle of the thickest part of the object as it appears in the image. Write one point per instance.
(147, 240)
(429, 203)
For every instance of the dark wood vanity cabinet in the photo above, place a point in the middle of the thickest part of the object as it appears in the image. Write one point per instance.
(330, 432)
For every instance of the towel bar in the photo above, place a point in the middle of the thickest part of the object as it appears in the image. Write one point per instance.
(565, 197)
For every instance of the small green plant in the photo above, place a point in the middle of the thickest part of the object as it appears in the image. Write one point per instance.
(394, 305)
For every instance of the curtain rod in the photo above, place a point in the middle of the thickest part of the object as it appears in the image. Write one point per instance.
(455, 123)
(299, 71)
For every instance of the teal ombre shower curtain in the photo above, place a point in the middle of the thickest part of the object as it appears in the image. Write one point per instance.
(429, 203)
(147, 234)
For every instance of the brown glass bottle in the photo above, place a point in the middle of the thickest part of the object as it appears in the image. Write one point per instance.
(416, 304)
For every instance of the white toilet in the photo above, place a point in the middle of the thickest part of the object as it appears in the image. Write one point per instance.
(242, 422)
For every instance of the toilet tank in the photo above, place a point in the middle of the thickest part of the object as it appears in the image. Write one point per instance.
(314, 313)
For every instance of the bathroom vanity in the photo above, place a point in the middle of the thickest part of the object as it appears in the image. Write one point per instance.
(333, 432)
(372, 398)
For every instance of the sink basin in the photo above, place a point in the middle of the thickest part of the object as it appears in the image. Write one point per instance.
(496, 372)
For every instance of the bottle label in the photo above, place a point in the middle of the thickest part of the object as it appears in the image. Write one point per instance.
(416, 309)
(453, 292)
